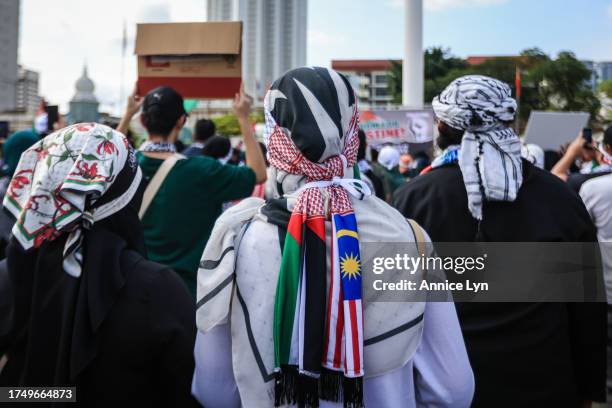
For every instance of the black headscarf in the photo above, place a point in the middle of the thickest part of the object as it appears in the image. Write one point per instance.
(56, 317)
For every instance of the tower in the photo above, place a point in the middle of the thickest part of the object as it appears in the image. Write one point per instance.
(84, 104)
(274, 37)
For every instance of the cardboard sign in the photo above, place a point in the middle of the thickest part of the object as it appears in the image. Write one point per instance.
(398, 127)
(199, 60)
(551, 130)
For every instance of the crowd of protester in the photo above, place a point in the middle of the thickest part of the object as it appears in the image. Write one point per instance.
(227, 276)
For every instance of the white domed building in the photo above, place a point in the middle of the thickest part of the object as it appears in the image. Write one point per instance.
(84, 104)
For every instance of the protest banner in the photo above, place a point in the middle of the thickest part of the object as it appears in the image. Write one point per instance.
(408, 129)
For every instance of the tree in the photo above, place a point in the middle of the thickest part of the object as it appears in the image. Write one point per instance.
(395, 81)
(546, 84)
(606, 88)
(227, 125)
(562, 85)
(438, 62)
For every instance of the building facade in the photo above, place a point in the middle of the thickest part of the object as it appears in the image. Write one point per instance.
(274, 37)
(84, 104)
(9, 42)
(604, 70)
(27, 97)
(370, 80)
(593, 80)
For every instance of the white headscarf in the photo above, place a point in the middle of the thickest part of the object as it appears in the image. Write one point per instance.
(389, 157)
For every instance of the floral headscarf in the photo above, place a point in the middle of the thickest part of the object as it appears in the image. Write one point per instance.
(58, 185)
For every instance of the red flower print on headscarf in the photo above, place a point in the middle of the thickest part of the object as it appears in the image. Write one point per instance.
(48, 234)
(85, 127)
(107, 147)
(19, 181)
(86, 171)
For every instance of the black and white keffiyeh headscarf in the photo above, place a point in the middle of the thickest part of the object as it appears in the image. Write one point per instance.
(490, 154)
(158, 147)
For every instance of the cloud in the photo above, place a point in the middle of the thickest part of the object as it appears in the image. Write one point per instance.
(442, 5)
(57, 41)
(609, 10)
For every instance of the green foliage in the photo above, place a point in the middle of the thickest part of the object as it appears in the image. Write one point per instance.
(561, 85)
(438, 62)
(227, 125)
(395, 82)
(546, 84)
(606, 88)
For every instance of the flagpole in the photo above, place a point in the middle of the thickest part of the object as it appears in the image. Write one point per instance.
(122, 79)
(517, 85)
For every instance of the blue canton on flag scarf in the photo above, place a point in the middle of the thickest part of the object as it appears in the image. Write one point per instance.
(348, 251)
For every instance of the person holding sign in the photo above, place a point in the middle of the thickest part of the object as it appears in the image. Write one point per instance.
(184, 196)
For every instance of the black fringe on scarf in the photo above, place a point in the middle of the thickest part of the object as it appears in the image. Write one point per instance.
(290, 387)
(353, 392)
(285, 386)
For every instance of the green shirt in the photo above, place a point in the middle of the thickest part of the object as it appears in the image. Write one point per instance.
(181, 216)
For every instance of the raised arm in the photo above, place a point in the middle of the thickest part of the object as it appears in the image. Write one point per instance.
(254, 157)
(134, 103)
(573, 151)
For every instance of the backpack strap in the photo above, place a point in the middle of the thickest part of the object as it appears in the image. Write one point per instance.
(156, 182)
(419, 236)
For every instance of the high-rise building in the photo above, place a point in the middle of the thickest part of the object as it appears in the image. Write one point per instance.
(9, 42)
(604, 70)
(274, 37)
(593, 79)
(27, 98)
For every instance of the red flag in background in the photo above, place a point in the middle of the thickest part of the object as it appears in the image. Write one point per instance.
(517, 83)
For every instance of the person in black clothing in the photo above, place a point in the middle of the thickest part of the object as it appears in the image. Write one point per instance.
(366, 168)
(204, 130)
(88, 310)
(218, 147)
(522, 354)
(602, 156)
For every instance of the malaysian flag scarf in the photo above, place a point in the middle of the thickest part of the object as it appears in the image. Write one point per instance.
(311, 130)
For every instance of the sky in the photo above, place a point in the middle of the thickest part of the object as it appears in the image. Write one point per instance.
(57, 41)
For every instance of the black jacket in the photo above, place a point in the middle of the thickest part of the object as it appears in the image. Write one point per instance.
(522, 354)
(141, 355)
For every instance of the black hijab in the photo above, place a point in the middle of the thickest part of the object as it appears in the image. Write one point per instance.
(55, 316)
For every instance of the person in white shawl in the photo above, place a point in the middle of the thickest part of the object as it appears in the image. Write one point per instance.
(413, 351)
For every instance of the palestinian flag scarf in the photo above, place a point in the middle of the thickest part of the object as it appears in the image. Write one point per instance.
(311, 130)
